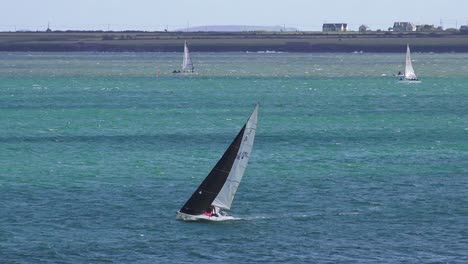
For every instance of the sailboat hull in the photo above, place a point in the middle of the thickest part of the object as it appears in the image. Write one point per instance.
(202, 217)
(409, 81)
(185, 72)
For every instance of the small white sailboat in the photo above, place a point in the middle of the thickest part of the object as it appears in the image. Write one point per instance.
(218, 189)
(187, 64)
(410, 76)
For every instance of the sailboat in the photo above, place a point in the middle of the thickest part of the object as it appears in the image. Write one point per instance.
(218, 189)
(410, 76)
(187, 64)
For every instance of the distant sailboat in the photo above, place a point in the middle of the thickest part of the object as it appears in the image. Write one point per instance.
(410, 75)
(187, 64)
(218, 189)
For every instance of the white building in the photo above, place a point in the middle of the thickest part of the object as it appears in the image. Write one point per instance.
(335, 27)
(404, 26)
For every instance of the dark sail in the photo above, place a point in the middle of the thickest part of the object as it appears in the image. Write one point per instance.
(205, 194)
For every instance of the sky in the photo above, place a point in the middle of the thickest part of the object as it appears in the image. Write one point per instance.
(176, 14)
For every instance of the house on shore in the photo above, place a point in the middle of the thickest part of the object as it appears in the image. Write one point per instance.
(403, 26)
(335, 27)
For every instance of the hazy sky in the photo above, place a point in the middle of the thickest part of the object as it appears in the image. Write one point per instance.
(157, 14)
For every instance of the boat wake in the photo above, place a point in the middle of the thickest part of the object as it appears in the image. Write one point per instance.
(254, 218)
(272, 217)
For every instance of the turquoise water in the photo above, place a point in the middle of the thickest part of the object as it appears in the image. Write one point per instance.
(98, 153)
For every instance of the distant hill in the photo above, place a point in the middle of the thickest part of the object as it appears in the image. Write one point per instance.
(236, 28)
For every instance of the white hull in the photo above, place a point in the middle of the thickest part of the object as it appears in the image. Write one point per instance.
(409, 81)
(186, 73)
(202, 217)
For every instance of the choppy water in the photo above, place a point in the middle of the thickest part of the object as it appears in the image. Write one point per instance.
(97, 154)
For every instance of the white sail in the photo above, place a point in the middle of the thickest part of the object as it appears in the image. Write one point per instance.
(409, 71)
(227, 193)
(187, 65)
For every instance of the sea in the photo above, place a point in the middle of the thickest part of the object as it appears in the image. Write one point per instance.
(98, 151)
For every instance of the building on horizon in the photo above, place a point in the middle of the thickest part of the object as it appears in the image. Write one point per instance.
(404, 26)
(335, 27)
(464, 29)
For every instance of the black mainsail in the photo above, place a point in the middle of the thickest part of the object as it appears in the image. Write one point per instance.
(206, 193)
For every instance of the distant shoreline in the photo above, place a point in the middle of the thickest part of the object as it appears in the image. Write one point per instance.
(134, 41)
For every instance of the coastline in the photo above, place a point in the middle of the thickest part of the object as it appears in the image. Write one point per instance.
(134, 41)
